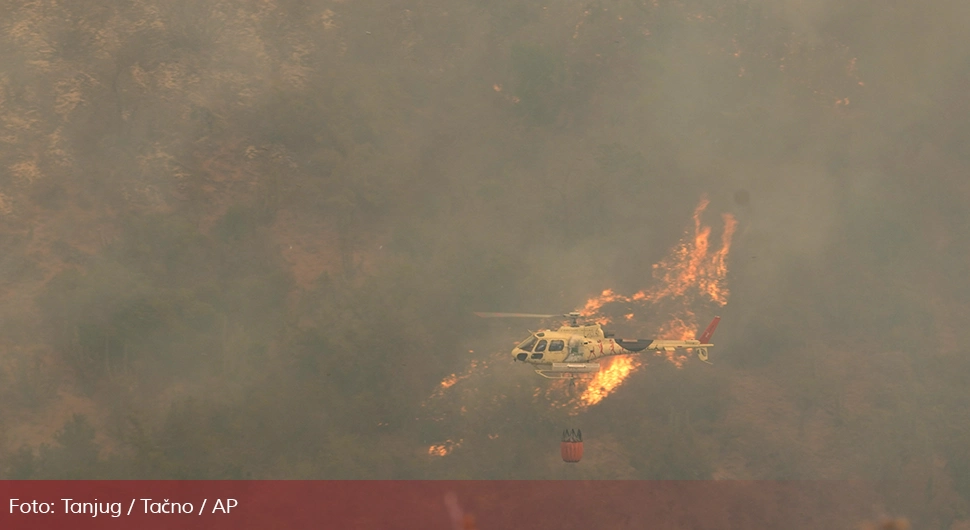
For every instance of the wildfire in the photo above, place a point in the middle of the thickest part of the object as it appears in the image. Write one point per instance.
(608, 379)
(453, 379)
(693, 271)
(593, 305)
(444, 449)
(690, 271)
(691, 265)
(449, 381)
(438, 409)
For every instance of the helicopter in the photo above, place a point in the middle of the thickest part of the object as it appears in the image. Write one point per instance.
(568, 352)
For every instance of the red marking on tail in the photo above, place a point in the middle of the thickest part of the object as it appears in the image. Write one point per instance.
(709, 332)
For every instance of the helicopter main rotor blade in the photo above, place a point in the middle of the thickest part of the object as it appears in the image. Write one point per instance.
(513, 315)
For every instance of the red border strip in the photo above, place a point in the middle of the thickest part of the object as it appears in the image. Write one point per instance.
(365, 505)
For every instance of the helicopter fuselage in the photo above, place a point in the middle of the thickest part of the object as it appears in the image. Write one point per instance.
(570, 350)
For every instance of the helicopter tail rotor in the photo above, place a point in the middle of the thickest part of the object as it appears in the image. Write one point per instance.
(702, 355)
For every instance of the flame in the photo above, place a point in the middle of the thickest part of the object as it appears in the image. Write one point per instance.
(719, 262)
(691, 270)
(593, 306)
(690, 266)
(444, 449)
(678, 328)
(608, 379)
(449, 381)
(453, 379)
(439, 409)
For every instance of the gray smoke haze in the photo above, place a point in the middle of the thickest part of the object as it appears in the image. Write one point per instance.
(271, 222)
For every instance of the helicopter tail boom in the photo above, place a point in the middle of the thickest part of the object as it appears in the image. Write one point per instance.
(634, 345)
(699, 345)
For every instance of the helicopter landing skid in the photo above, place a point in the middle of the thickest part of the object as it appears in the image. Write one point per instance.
(549, 374)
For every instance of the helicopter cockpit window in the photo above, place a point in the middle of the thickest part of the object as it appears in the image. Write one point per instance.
(556, 345)
(541, 346)
(528, 343)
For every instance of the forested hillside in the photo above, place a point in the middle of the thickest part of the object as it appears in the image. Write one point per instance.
(246, 238)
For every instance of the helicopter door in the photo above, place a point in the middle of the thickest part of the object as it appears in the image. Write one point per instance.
(556, 348)
(541, 347)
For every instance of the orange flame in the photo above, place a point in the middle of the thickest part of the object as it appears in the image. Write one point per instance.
(449, 381)
(678, 328)
(692, 271)
(690, 266)
(689, 271)
(593, 305)
(609, 377)
(445, 448)
(453, 379)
